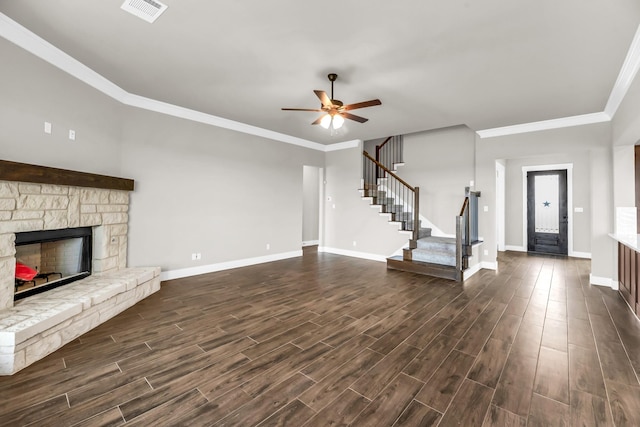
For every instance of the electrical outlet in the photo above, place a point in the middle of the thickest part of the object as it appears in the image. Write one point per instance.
(72, 134)
(198, 255)
(47, 127)
(268, 246)
(354, 243)
(194, 257)
(486, 252)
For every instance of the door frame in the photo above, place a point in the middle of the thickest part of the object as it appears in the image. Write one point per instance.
(562, 235)
(564, 166)
(500, 205)
(319, 188)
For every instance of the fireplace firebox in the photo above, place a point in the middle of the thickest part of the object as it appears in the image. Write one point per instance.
(51, 258)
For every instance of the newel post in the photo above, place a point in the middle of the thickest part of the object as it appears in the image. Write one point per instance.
(416, 214)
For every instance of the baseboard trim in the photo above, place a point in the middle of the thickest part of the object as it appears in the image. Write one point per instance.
(574, 254)
(211, 268)
(471, 271)
(310, 243)
(489, 265)
(585, 255)
(353, 254)
(603, 281)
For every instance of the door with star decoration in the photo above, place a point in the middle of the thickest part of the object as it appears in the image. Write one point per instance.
(547, 216)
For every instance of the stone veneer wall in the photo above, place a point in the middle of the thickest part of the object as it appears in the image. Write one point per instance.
(33, 207)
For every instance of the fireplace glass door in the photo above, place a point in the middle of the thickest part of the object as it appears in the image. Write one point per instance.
(51, 258)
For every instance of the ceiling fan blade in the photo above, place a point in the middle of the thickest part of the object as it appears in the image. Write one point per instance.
(323, 98)
(301, 109)
(318, 120)
(362, 105)
(353, 117)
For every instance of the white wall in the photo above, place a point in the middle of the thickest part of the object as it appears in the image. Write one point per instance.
(581, 221)
(181, 169)
(626, 134)
(350, 219)
(199, 188)
(32, 92)
(208, 190)
(442, 164)
(576, 145)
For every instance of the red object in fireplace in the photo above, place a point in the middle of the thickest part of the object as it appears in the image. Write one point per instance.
(24, 272)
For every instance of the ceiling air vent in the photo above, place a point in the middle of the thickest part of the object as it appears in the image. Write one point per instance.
(148, 10)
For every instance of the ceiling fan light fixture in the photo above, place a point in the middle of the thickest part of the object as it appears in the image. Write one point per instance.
(338, 121)
(326, 121)
(334, 111)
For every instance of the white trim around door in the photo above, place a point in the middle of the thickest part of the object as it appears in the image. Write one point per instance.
(563, 166)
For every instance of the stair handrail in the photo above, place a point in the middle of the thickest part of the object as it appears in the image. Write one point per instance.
(387, 170)
(379, 147)
(462, 235)
(415, 190)
(389, 153)
(465, 236)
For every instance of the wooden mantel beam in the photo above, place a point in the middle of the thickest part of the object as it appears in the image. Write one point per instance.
(23, 172)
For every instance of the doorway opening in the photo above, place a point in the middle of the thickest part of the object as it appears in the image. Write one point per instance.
(500, 204)
(312, 213)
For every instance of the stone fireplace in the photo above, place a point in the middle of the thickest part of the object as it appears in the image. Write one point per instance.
(32, 327)
(34, 207)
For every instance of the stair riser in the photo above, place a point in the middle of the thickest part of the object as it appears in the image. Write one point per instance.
(434, 258)
(427, 270)
(436, 247)
(424, 232)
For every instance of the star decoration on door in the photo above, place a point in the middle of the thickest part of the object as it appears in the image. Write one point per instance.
(546, 204)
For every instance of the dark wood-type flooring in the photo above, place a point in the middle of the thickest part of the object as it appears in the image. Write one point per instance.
(325, 340)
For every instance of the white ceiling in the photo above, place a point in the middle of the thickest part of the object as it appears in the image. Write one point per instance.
(482, 63)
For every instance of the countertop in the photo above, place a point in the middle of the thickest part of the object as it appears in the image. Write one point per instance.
(630, 240)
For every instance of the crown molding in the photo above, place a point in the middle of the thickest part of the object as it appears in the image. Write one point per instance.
(628, 72)
(625, 78)
(209, 119)
(584, 119)
(22, 37)
(27, 40)
(355, 143)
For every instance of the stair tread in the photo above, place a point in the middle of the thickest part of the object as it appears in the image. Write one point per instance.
(439, 239)
(424, 268)
(422, 263)
(445, 249)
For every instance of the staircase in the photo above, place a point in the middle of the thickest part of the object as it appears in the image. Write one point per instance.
(432, 256)
(444, 257)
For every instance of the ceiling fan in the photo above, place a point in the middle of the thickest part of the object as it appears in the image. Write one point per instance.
(334, 110)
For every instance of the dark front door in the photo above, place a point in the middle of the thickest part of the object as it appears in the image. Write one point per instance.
(547, 222)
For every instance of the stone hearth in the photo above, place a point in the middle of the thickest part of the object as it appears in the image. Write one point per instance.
(37, 325)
